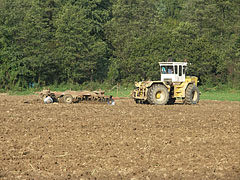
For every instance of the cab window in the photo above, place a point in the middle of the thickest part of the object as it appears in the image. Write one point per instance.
(163, 70)
(169, 69)
(176, 69)
(180, 70)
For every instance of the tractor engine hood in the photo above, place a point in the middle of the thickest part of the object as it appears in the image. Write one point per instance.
(143, 84)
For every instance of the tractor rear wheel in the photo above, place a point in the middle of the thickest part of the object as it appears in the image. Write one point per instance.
(158, 94)
(68, 98)
(192, 95)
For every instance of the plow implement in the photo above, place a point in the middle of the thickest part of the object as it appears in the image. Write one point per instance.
(74, 96)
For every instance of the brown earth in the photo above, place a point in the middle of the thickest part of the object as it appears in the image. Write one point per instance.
(125, 141)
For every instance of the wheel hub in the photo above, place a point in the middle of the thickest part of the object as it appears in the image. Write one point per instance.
(158, 95)
(68, 100)
(194, 95)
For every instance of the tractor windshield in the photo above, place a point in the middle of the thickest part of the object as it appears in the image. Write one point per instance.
(167, 70)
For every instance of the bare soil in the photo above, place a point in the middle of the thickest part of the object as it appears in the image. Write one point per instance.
(125, 141)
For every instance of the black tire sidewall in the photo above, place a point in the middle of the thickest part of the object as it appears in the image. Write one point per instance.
(190, 91)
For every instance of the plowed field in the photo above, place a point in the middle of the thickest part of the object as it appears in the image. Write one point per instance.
(125, 141)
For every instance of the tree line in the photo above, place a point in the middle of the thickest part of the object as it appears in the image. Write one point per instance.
(49, 42)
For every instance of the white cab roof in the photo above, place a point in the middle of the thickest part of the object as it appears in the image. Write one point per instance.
(172, 63)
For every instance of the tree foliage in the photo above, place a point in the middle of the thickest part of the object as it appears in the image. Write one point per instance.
(54, 41)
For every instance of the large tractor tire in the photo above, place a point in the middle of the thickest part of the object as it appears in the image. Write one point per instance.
(158, 95)
(67, 99)
(192, 95)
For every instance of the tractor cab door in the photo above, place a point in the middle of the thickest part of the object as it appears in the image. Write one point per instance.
(181, 73)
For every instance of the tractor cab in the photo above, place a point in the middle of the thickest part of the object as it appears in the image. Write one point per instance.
(173, 71)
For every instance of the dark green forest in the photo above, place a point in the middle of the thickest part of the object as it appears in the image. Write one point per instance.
(54, 42)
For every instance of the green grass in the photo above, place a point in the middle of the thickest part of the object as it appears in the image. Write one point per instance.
(221, 96)
(123, 92)
(20, 93)
(221, 93)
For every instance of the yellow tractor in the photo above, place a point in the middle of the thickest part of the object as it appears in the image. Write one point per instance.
(174, 85)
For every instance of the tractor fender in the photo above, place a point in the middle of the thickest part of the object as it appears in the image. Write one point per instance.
(187, 84)
(158, 82)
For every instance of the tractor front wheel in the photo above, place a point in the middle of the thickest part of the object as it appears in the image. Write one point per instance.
(158, 94)
(192, 95)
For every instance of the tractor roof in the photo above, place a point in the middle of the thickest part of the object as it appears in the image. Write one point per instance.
(172, 63)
